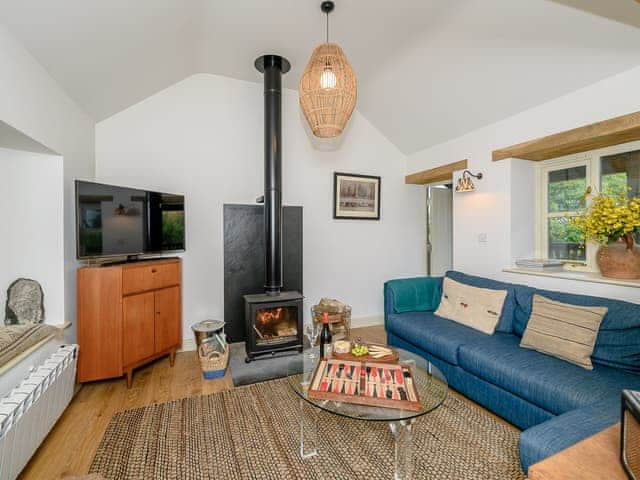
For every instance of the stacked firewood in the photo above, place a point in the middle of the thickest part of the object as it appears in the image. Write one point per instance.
(339, 313)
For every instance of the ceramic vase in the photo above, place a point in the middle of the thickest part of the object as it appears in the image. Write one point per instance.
(620, 259)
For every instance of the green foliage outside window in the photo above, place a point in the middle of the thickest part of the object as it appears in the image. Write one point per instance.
(566, 196)
(569, 195)
(614, 183)
(561, 230)
(172, 229)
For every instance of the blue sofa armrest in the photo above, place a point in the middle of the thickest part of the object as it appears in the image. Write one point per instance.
(558, 433)
(388, 304)
(418, 294)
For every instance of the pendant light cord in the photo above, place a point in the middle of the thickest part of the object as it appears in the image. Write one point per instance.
(327, 27)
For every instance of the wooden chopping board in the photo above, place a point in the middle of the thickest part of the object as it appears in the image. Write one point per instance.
(393, 358)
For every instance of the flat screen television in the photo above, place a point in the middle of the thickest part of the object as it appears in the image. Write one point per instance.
(117, 221)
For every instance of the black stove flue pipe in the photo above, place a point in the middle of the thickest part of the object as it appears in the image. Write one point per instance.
(273, 66)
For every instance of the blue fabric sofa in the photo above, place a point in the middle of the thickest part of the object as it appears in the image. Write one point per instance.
(555, 402)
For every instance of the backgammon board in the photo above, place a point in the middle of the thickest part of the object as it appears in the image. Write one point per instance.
(365, 383)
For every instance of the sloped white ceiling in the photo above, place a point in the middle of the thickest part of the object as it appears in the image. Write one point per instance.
(429, 70)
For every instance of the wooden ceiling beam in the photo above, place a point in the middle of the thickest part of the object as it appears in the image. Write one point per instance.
(590, 137)
(438, 174)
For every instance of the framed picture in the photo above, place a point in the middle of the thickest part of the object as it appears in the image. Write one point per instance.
(356, 196)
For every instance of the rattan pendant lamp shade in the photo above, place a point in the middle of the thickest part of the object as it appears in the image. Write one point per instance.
(328, 87)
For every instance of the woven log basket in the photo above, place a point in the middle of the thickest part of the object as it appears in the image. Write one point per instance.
(339, 315)
(338, 311)
(212, 362)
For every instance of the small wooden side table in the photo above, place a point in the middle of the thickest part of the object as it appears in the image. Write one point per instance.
(594, 458)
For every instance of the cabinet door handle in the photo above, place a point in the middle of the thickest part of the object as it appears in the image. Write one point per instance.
(153, 270)
(157, 313)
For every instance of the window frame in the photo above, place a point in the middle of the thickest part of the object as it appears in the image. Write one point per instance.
(592, 161)
(543, 214)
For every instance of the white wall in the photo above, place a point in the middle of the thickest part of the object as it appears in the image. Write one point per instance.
(204, 137)
(33, 103)
(31, 231)
(503, 204)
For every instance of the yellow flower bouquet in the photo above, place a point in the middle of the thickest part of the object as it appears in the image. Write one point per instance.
(608, 219)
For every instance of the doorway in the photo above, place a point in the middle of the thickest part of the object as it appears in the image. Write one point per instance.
(439, 229)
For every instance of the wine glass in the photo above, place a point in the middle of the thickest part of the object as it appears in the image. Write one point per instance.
(312, 332)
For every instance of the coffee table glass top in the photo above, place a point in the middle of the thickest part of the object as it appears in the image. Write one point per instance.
(430, 382)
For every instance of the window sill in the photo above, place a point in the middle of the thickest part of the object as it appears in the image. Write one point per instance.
(578, 276)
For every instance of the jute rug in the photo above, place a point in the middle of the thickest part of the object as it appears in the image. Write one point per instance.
(252, 433)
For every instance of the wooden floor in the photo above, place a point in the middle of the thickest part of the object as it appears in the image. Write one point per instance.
(71, 445)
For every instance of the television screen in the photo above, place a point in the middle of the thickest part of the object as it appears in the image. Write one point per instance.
(119, 221)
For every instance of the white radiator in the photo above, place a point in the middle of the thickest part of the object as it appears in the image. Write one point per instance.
(30, 410)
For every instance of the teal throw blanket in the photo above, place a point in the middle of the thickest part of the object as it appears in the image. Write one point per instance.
(420, 294)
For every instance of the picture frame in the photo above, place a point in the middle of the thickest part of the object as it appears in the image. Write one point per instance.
(356, 197)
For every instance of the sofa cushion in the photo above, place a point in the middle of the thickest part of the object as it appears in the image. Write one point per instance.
(514, 409)
(508, 308)
(618, 342)
(433, 334)
(474, 307)
(552, 384)
(420, 294)
(562, 330)
(556, 434)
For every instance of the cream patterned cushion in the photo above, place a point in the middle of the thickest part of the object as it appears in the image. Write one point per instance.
(477, 308)
(563, 331)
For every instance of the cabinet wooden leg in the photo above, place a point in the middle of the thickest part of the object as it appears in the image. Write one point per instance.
(129, 377)
(172, 357)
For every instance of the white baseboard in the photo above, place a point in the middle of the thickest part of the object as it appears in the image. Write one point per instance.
(368, 321)
(189, 344)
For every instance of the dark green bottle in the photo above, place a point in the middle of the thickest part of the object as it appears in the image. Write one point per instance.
(325, 335)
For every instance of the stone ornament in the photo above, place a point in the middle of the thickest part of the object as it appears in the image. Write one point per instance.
(25, 303)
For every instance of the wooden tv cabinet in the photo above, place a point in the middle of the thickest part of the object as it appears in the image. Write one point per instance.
(128, 315)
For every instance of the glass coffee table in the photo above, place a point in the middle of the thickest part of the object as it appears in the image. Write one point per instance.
(432, 389)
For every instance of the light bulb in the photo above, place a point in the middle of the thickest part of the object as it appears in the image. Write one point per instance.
(328, 79)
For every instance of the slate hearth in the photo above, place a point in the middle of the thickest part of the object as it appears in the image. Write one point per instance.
(259, 371)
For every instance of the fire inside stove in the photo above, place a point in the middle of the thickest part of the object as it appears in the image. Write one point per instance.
(276, 325)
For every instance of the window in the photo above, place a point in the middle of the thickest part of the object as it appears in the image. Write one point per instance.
(620, 172)
(562, 187)
(565, 193)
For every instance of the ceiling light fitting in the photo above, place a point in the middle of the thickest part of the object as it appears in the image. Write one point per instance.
(328, 87)
(465, 184)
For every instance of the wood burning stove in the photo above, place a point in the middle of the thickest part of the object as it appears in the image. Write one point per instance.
(274, 323)
(273, 319)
